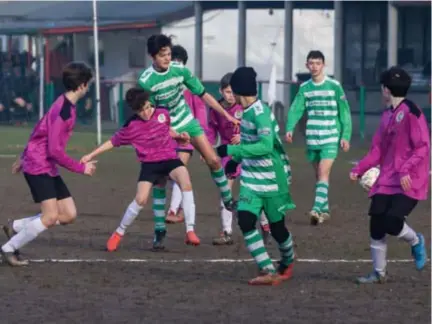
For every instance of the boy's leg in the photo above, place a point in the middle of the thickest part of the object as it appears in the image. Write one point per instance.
(401, 207)
(323, 160)
(249, 207)
(275, 209)
(377, 211)
(159, 201)
(180, 174)
(265, 227)
(131, 213)
(225, 237)
(201, 143)
(175, 213)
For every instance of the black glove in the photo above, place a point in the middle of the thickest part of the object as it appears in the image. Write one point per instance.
(231, 168)
(222, 150)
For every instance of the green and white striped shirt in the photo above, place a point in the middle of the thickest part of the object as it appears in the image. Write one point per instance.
(166, 90)
(328, 113)
(265, 168)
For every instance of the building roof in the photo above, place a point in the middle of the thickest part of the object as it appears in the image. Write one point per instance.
(32, 17)
(22, 17)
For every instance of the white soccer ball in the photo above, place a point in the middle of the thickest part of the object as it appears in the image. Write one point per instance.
(368, 179)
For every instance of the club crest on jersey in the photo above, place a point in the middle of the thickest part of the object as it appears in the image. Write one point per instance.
(238, 114)
(161, 118)
(399, 116)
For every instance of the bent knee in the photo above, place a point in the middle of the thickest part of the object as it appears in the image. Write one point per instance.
(50, 219)
(141, 200)
(246, 221)
(214, 162)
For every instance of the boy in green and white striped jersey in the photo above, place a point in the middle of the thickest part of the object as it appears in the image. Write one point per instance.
(328, 127)
(264, 179)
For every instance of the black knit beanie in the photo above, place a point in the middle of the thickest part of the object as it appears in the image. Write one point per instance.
(243, 82)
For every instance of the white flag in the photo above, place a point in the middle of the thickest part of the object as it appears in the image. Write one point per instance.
(272, 86)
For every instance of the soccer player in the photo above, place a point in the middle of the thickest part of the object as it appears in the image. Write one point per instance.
(199, 111)
(228, 134)
(149, 132)
(165, 80)
(264, 183)
(45, 151)
(401, 148)
(328, 127)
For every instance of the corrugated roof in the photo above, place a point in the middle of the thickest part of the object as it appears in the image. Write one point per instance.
(32, 17)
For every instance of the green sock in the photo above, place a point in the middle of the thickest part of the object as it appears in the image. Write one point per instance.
(222, 182)
(321, 196)
(159, 199)
(287, 251)
(255, 245)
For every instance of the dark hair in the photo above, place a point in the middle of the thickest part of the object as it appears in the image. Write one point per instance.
(225, 81)
(179, 53)
(315, 55)
(136, 98)
(156, 42)
(76, 74)
(397, 80)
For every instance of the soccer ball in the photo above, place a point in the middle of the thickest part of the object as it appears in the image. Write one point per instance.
(368, 179)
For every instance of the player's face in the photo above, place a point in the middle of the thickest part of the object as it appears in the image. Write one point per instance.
(228, 95)
(83, 89)
(237, 99)
(385, 95)
(147, 112)
(163, 58)
(315, 66)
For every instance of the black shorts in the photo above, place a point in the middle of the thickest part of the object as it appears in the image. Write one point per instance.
(397, 205)
(155, 171)
(44, 187)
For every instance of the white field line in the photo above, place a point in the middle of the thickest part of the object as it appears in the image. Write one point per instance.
(203, 261)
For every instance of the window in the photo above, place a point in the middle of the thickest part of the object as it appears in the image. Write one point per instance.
(137, 52)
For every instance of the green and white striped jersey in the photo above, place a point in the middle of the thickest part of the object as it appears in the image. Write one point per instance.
(328, 113)
(265, 168)
(166, 90)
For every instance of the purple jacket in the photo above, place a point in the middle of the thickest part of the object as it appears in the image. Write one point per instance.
(401, 146)
(219, 125)
(46, 147)
(199, 111)
(150, 138)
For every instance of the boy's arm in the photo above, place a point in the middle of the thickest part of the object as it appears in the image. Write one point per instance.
(296, 111)
(197, 88)
(419, 136)
(265, 142)
(108, 145)
(372, 158)
(56, 148)
(200, 112)
(344, 114)
(212, 128)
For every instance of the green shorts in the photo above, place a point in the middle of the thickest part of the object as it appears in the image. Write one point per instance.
(193, 128)
(274, 207)
(327, 153)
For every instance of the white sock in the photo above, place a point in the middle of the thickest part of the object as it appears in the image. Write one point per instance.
(129, 216)
(189, 210)
(26, 235)
(176, 198)
(263, 219)
(379, 255)
(19, 224)
(408, 235)
(226, 217)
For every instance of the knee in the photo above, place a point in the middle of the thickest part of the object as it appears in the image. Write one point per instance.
(279, 231)
(187, 186)
(377, 227)
(393, 225)
(246, 221)
(50, 219)
(214, 162)
(69, 217)
(141, 201)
